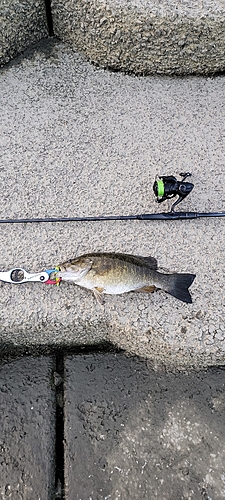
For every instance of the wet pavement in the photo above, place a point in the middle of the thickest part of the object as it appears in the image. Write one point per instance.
(102, 425)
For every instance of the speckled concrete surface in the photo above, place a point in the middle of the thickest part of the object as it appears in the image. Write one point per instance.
(146, 36)
(27, 441)
(82, 141)
(22, 24)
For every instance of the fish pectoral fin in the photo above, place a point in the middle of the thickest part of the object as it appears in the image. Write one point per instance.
(97, 291)
(147, 289)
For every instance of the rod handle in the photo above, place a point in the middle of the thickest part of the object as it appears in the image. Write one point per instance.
(169, 216)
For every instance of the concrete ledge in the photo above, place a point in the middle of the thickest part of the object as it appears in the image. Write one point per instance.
(145, 37)
(22, 24)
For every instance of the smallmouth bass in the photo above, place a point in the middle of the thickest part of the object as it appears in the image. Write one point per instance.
(117, 273)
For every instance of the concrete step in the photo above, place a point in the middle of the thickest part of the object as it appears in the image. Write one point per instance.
(145, 37)
(77, 140)
(133, 433)
(22, 24)
(27, 440)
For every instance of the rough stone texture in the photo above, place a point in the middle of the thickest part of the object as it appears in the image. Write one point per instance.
(133, 433)
(82, 141)
(146, 37)
(27, 438)
(22, 24)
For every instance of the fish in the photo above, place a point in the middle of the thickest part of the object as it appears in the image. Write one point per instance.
(118, 273)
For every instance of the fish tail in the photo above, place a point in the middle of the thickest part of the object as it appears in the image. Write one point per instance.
(178, 285)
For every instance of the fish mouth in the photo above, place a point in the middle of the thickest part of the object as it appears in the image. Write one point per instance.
(68, 275)
(71, 274)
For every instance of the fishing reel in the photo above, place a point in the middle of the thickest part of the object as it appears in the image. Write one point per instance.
(167, 187)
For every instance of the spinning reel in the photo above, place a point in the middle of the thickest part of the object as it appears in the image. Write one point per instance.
(167, 187)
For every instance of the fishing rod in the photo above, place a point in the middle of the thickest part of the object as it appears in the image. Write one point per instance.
(164, 187)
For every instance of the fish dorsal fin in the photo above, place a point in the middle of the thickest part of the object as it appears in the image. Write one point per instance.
(149, 261)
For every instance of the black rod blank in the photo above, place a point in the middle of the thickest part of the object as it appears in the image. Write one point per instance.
(159, 216)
